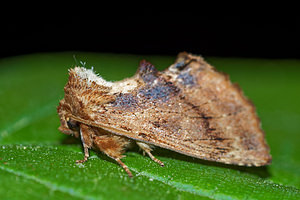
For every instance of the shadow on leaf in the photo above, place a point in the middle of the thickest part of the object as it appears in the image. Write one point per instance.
(261, 172)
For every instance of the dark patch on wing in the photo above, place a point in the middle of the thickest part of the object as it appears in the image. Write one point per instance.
(180, 65)
(156, 124)
(183, 64)
(147, 72)
(145, 136)
(160, 91)
(210, 138)
(211, 129)
(186, 78)
(125, 128)
(125, 101)
(249, 141)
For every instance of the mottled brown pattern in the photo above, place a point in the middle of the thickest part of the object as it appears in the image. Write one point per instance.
(189, 108)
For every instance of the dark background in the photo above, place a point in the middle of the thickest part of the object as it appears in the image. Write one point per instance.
(219, 36)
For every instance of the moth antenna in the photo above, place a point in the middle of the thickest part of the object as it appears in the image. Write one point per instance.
(76, 62)
(82, 63)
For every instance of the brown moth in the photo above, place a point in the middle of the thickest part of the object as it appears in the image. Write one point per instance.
(189, 108)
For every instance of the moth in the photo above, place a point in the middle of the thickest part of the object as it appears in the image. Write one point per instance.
(189, 108)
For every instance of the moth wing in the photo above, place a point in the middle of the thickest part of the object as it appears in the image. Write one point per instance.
(190, 108)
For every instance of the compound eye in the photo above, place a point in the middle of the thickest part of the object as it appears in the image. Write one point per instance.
(72, 124)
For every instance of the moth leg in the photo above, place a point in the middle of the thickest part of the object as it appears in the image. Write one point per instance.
(146, 148)
(85, 136)
(113, 146)
(124, 167)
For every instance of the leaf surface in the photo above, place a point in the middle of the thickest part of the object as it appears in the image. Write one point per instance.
(37, 161)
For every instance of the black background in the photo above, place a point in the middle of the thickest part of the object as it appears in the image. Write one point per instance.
(218, 36)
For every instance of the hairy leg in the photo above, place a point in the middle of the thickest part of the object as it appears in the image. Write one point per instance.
(113, 146)
(146, 148)
(124, 167)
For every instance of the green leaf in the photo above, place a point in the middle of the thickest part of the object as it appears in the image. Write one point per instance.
(38, 162)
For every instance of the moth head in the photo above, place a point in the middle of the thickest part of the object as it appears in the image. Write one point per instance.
(69, 126)
(72, 124)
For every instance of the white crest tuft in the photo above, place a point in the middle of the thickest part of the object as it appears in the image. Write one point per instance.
(90, 76)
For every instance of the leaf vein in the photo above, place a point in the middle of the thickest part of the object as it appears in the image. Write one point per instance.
(27, 120)
(49, 184)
